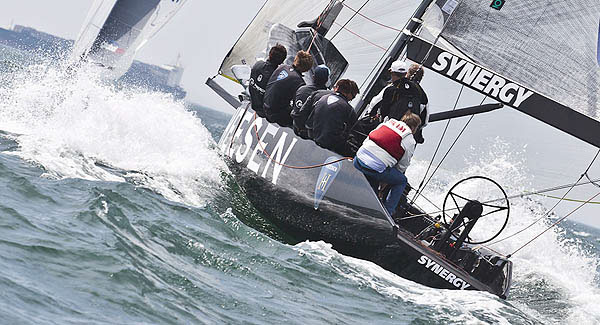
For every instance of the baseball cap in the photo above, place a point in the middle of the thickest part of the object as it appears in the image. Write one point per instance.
(399, 67)
(321, 74)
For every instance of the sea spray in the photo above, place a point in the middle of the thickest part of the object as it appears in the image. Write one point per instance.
(71, 124)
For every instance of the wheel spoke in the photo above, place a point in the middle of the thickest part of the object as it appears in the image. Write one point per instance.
(461, 226)
(501, 207)
(494, 211)
(454, 200)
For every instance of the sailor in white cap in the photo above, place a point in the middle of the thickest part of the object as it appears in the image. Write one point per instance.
(398, 69)
(402, 96)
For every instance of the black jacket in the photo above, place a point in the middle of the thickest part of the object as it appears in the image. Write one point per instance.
(259, 77)
(279, 93)
(333, 118)
(304, 103)
(302, 94)
(401, 96)
(423, 114)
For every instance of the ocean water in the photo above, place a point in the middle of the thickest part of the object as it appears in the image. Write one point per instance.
(116, 207)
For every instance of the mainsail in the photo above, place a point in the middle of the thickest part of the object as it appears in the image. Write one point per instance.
(550, 48)
(361, 40)
(115, 30)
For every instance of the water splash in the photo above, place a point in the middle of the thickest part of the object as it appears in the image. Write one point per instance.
(76, 125)
(560, 263)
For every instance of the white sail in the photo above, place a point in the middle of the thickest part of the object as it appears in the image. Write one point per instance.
(362, 38)
(115, 30)
(94, 21)
(548, 51)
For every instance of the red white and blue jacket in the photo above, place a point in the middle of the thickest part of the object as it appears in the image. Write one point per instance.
(391, 144)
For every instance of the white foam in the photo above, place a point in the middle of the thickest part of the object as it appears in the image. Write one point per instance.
(67, 125)
(562, 262)
(462, 305)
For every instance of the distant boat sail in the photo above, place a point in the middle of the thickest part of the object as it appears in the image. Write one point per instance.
(114, 30)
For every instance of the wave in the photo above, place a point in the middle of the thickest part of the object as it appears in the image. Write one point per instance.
(76, 125)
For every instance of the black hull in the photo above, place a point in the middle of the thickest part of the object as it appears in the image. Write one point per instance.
(349, 216)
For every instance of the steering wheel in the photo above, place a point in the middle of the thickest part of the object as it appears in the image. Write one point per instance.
(459, 201)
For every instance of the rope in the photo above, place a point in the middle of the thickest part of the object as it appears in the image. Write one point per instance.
(554, 224)
(371, 20)
(361, 37)
(571, 186)
(289, 166)
(347, 22)
(591, 181)
(319, 23)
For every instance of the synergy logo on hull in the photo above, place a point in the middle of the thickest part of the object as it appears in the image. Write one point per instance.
(443, 273)
(326, 177)
(483, 80)
(250, 127)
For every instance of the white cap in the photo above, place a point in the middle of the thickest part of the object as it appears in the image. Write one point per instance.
(399, 67)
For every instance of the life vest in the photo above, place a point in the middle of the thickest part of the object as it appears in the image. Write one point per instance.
(391, 143)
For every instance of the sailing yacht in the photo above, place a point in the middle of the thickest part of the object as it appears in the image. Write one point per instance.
(539, 58)
(115, 30)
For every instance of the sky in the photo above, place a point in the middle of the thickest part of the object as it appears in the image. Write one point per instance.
(203, 32)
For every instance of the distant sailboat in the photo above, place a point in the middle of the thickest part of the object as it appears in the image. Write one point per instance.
(114, 30)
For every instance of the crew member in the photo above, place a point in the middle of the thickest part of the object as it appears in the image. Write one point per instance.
(261, 73)
(385, 155)
(299, 116)
(402, 96)
(397, 70)
(307, 110)
(282, 87)
(333, 117)
(415, 74)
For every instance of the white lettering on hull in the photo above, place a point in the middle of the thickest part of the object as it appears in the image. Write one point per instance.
(246, 149)
(443, 273)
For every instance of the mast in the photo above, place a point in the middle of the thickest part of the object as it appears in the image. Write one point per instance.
(380, 81)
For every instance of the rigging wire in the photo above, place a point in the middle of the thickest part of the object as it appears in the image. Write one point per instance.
(419, 191)
(567, 199)
(521, 195)
(347, 22)
(447, 153)
(554, 224)
(371, 20)
(357, 12)
(555, 205)
(438, 147)
(361, 37)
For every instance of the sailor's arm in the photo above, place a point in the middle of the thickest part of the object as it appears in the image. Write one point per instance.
(409, 145)
(375, 103)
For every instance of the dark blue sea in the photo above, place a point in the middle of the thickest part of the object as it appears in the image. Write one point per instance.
(116, 208)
